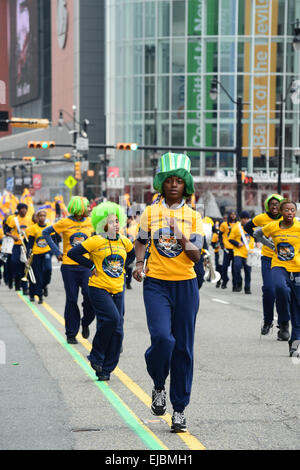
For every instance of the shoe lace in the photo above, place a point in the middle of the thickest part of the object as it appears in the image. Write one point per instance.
(178, 417)
(159, 397)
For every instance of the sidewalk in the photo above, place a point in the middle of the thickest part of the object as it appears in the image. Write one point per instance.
(32, 411)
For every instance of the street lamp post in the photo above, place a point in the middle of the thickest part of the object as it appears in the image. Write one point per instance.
(239, 137)
(280, 143)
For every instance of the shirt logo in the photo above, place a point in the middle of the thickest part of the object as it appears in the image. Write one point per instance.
(77, 238)
(285, 252)
(113, 265)
(166, 243)
(41, 242)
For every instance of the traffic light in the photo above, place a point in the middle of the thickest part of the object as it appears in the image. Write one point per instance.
(248, 180)
(77, 170)
(67, 155)
(29, 159)
(41, 144)
(127, 146)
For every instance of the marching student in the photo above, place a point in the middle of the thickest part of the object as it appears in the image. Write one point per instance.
(39, 256)
(285, 234)
(215, 243)
(170, 288)
(268, 293)
(242, 243)
(73, 229)
(109, 252)
(15, 227)
(227, 247)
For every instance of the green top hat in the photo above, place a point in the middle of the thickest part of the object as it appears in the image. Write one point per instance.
(176, 164)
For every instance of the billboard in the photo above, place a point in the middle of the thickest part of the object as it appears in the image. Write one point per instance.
(24, 69)
(260, 91)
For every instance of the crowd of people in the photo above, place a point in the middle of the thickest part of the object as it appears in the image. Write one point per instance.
(167, 247)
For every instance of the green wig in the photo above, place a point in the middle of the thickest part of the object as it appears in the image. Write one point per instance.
(78, 205)
(272, 196)
(100, 214)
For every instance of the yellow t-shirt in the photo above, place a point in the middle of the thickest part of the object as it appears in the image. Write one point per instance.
(215, 239)
(73, 232)
(236, 235)
(168, 261)
(260, 221)
(225, 228)
(40, 245)
(109, 258)
(24, 222)
(287, 245)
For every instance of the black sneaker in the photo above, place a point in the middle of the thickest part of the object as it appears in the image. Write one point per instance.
(40, 300)
(248, 291)
(72, 340)
(32, 298)
(97, 368)
(178, 422)
(283, 333)
(223, 286)
(265, 330)
(85, 332)
(103, 377)
(218, 284)
(159, 404)
(45, 291)
(294, 348)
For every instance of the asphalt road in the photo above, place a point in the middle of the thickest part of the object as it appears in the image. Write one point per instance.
(245, 393)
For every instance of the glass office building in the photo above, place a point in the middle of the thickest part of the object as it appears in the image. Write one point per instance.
(161, 57)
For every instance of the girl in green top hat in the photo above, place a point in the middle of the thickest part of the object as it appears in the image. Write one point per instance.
(175, 235)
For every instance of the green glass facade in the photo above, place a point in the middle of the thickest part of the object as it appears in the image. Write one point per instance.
(161, 56)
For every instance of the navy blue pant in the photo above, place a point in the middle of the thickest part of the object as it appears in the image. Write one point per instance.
(107, 343)
(16, 268)
(240, 263)
(287, 293)
(42, 268)
(171, 309)
(268, 290)
(76, 277)
(227, 259)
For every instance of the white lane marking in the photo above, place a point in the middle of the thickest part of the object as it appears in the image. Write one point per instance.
(220, 301)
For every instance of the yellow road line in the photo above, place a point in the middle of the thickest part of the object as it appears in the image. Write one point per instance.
(191, 441)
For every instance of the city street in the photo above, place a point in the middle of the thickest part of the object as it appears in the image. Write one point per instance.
(245, 391)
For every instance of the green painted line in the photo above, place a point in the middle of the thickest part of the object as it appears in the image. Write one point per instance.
(127, 415)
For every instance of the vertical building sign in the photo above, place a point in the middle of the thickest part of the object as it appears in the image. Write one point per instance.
(195, 82)
(260, 92)
(24, 78)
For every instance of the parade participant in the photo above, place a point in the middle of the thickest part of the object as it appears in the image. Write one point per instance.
(268, 293)
(15, 227)
(215, 243)
(285, 234)
(39, 257)
(225, 228)
(170, 288)
(108, 254)
(242, 243)
(74, 229)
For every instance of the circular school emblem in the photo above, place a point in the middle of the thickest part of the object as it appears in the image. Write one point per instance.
(285, 252)
(77, 238)
(41, 242)
(113, 265)
(166, 243)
